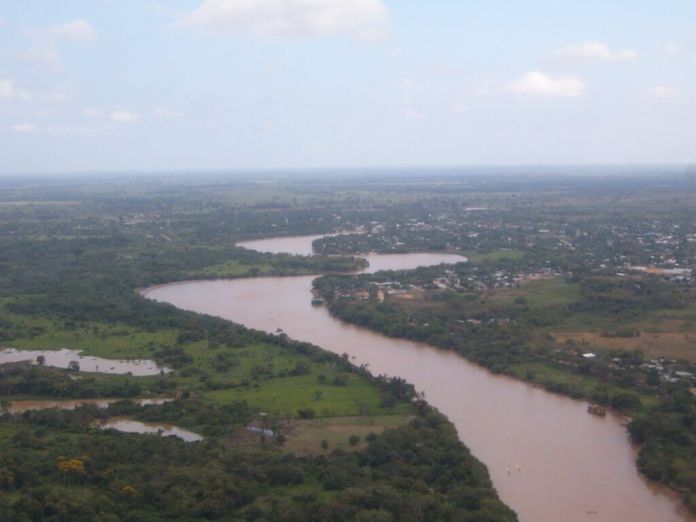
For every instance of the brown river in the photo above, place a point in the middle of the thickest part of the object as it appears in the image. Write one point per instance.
(549, 459)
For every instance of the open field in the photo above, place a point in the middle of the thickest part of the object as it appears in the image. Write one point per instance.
(284, 396)
(98, 339)
(554, 291)
(663, 332)
(536, 293)
(654, 345)
(305, 436)
(234, 268)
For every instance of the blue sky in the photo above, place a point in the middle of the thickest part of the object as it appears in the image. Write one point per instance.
(120, 85)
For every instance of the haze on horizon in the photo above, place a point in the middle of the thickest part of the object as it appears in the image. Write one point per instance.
(272, 84)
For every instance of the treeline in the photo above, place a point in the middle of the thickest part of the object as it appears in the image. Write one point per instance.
(667, 432)
(667, 435)
(27, 379)
(501, 333)
(67, 470)
(501, 337)
(496, 345)
(629, 297)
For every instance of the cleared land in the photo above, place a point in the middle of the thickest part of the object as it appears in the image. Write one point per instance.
(305, 436)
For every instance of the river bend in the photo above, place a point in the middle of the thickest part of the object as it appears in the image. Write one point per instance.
(549, 459)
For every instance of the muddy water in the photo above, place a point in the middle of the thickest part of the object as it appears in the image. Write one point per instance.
(549, 459)
(302, 245)
(63, 358)
(296, 245)
(166, 430)
(70, 404)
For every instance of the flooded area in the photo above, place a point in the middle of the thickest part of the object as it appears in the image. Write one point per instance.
(549, 459)
(73, 359)
(127, 425)
(20, 406)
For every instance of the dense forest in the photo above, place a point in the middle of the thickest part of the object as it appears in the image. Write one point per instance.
(71, 261)
(584, 286)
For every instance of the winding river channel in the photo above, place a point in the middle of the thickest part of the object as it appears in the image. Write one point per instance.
(549, 459)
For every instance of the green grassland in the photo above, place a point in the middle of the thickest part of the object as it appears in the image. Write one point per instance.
(256, 373)
(661, 332)
(284, 396)
(540, 293)
(112, 341)
(254, 378)
(234, 268)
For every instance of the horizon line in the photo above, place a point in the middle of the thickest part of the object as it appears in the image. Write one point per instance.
(237, 171)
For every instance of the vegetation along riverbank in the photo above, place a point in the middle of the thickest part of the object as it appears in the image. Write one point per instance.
(70, 263)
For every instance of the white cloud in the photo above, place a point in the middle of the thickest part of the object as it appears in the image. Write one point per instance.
(362, 19)
(43, 48)
(24, 128)
(596, 52)
(8, 92)
(166, 114)
(661, 92)
(535, 84)
(124, 117)
(78, 30)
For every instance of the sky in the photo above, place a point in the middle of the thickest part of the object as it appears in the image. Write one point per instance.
(139, 85)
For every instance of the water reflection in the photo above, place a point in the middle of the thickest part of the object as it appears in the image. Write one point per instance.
(20, 406)
(74, 360)
(127, 425)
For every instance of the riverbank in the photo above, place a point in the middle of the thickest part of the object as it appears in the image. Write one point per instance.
(507, 331)
(227, 377)
(67, 279)
(501, 441)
